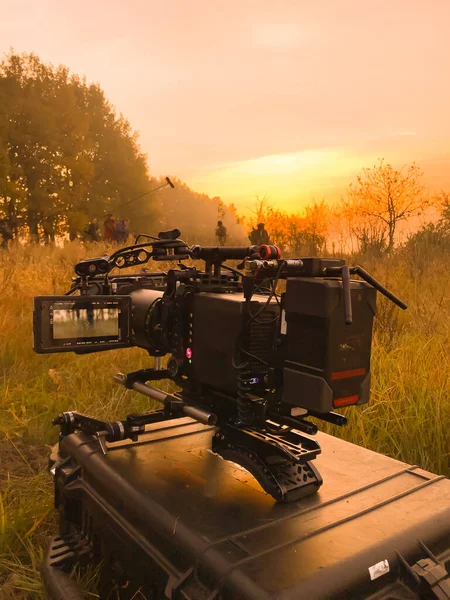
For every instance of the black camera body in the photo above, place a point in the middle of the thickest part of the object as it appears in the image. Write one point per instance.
(250, 360)
(310, 356)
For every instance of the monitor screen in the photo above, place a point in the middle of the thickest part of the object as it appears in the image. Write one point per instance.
(76, 322)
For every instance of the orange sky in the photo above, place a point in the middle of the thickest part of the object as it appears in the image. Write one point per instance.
(242, 98)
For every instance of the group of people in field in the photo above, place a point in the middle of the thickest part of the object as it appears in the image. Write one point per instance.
(258, 236)
(117, 231)
(113, 230)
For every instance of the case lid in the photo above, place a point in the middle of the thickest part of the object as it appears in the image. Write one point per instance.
(207, 514)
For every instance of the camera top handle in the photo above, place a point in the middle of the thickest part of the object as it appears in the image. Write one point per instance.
(168, 246)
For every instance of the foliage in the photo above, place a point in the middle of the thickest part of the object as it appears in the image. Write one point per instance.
(380, 200)
(65, 156)
(432, 237)
(303, 233)
(369, 233)
(443, 202)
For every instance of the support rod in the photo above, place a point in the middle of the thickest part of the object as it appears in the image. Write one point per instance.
(199, 414)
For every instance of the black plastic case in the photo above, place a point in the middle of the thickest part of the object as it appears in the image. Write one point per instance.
(168, 516)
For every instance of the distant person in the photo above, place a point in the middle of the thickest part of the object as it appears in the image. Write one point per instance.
(121, 231)
(73, 233)
(221, 233)
(93, 231)
(110, 228)
(259, 236)
(5, 232)
(47, 229)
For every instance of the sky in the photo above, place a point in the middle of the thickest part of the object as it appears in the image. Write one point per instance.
(240, 98)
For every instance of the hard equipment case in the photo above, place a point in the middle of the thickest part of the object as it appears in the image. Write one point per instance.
(171, 519)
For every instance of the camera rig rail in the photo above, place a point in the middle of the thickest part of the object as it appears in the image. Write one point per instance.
(247, 360)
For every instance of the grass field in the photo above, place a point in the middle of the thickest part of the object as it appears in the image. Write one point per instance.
(408, 417)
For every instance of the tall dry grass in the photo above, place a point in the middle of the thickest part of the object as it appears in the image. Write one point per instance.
(408, 417)
(409, 414)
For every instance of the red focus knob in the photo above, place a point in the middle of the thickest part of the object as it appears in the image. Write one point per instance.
(269, 252)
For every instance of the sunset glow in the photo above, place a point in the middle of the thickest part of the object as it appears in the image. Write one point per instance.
(241, 99)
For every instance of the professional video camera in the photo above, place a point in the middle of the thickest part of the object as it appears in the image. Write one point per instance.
(247, 359)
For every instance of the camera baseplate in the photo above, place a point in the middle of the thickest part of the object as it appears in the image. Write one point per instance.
(280, 463)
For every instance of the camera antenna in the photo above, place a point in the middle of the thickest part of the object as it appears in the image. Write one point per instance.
(168, 182)
(345, 272)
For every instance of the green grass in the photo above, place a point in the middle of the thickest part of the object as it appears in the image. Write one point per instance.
(408, 417)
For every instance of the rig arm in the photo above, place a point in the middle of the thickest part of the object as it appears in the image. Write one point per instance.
(203, 416)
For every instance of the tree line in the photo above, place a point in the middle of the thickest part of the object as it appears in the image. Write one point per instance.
(66, 158)
(64, 154)
(368, 219)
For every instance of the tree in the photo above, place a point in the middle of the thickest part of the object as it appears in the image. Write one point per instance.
(368, 231)
(444, 205)
(435, 234)
(386, 197)
(301, 233)
(221, 208)
(275, 221)
(65, 156)
(316, 221)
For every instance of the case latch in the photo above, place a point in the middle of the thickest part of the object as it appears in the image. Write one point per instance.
(427, 576)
